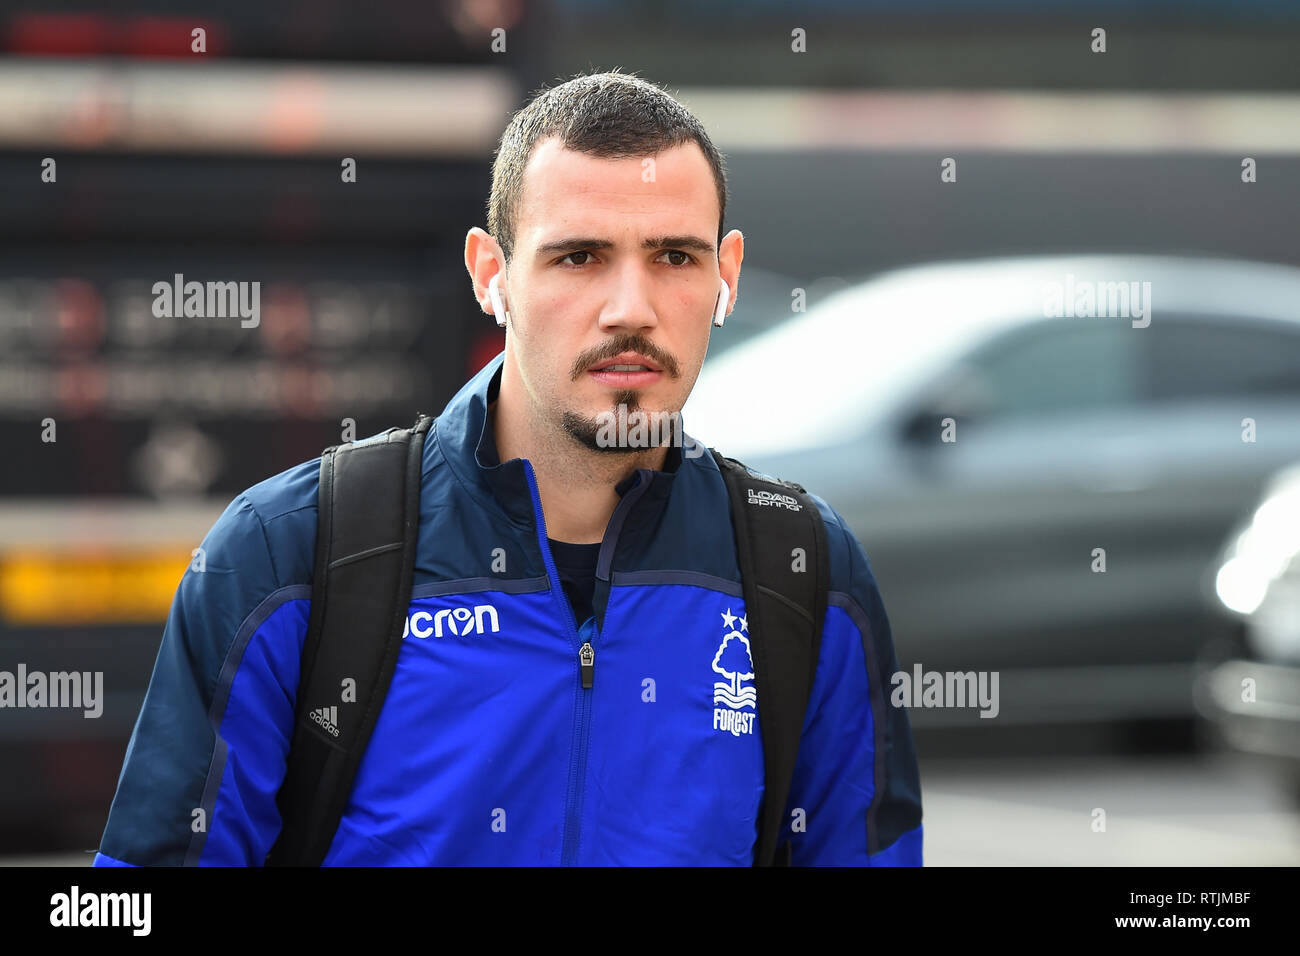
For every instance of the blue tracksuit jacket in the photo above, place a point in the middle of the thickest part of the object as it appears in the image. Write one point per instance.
(488, 750)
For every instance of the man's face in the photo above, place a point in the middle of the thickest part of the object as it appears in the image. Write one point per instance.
(613, 283)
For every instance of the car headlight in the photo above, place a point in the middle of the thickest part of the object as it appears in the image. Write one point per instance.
(1260, 577)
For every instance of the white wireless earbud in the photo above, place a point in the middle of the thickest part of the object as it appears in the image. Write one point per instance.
(498, 307)
(724, 299)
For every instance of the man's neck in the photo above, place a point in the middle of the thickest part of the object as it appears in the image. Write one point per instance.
(576, 484)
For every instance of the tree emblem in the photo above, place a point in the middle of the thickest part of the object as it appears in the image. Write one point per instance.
(733, 661)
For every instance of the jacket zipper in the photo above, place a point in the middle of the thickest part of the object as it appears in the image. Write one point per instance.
(587, 655)
(578, 765)
(583, 642)
(586, 671)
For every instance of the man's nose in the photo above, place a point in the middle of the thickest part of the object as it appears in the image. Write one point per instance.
(628, 304)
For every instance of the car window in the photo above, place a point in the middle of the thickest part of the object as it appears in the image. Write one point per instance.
(1189, 358)
(1057, 366)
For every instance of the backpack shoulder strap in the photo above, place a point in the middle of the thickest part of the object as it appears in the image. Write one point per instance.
(785, 574)
(367, 520)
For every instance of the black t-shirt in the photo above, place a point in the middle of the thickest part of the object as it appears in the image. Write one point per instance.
(576, 565)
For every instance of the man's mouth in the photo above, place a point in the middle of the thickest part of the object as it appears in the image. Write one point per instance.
(628, 370)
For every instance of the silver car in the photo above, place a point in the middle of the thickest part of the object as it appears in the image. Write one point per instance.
(1040, 455)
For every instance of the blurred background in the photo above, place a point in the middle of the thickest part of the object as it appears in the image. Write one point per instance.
(876, 300)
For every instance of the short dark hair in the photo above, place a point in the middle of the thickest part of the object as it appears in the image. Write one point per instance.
(612, 115)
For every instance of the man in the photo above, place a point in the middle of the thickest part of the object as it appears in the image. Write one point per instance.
(498, 742)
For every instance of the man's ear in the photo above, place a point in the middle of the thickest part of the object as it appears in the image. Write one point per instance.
(731, 253)
(483, 260)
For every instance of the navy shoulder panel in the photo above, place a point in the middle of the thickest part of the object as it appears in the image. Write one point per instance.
(692, 533)
(849, 564)
(464, 533)
(286, 506)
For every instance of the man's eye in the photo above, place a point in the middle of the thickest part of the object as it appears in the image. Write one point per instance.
(684, 258)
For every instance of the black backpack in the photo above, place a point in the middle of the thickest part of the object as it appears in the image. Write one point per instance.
(369, 507)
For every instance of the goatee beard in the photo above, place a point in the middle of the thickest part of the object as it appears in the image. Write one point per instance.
(586, 431)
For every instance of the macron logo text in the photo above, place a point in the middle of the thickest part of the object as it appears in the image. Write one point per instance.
(460, 621)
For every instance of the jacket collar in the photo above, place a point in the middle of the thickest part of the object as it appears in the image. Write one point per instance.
(469, 446)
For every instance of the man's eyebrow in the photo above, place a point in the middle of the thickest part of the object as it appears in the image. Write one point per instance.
(694, 243)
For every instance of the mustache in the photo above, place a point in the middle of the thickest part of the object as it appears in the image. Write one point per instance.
(616, 347)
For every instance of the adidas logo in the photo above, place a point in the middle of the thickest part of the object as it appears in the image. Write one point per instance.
(327, 717)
